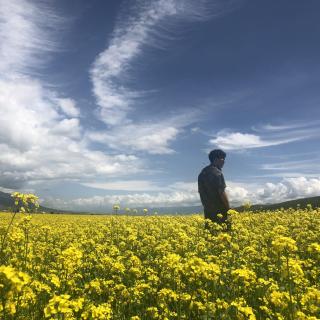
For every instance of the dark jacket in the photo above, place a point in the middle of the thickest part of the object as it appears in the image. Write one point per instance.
(210, 185)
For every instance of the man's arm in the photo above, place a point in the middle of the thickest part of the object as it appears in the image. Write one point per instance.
(225, 199)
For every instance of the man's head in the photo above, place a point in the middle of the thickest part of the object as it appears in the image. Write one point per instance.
(217, 157)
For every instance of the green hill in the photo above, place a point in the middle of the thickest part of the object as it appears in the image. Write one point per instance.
(7, 203)
(302, 203)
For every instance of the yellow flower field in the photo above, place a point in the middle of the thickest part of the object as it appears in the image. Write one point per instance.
(160, 267)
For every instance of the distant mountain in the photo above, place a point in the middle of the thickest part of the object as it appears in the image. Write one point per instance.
(302, 203)
(7, 203)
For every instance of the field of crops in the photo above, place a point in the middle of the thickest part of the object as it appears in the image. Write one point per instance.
(160, 267)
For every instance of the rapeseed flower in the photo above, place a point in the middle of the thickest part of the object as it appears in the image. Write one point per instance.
(284, 244)
(164, 267)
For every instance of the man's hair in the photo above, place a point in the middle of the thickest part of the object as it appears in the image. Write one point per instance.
(217, 153)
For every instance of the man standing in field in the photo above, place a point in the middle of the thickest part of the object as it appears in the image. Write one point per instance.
(211, 187)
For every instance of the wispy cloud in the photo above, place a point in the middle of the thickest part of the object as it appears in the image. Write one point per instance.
(149, 21)
(144, 185)
(303, 165)
(153, 137)
(240, 141)
(124, 185)
(25, 35)
(266, 136)
(293, 168)
(108, 71)
(292, 126)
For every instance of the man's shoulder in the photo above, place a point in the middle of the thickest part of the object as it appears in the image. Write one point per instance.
(210, 170)
(204, 171)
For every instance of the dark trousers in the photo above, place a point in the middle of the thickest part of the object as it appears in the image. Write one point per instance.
(213, 216)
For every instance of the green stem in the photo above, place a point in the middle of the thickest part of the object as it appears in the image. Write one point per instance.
(6, 233)
(26, 247)
(290, 288)
(4, 309)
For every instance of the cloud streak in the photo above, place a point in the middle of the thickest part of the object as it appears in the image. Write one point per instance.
(112, 97)
(301, 165)
(124, 185)
(153, 137)
(25, 36)
(265, 136)
(149, 22)
(240, 141)
(293, 126)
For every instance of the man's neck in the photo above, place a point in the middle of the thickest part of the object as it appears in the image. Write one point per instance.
(216, 166)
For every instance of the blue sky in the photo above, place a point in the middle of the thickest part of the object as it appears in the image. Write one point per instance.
(105, 102)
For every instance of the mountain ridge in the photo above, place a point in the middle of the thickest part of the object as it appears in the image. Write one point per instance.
(301, 202)
(6, 203)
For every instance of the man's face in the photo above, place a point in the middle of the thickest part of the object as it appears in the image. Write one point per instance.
(219, 162)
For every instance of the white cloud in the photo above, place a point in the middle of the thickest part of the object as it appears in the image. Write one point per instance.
(112, 69)
(143, 185)
(185, 194)
(111, 95)
(310, 165)
(274, 192)
(266, 135)
(67, 127)
(62, 158)
(25, 114)
(238, 193)
(41, 137)
(289, 188)
(124, 185)
(153, 137)
(269, 135)
(130, 200)
(292, 126)
(238, 141)
(149, 22)
(191, 187)
(68, 106)
(25, 35)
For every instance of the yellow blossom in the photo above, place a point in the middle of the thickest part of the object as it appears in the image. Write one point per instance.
(284, 244)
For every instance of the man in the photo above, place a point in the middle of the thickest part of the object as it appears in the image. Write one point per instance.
(211, 186)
